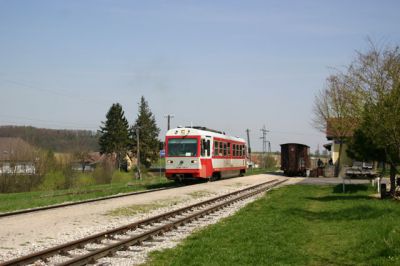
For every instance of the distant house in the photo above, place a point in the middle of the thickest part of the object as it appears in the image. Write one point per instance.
(88, 163)
(339, 132)
(17, 157)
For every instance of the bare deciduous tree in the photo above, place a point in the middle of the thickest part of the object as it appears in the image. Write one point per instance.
(336, 109)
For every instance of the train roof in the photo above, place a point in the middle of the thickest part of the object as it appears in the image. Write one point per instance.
(298, 144)
(200, 131)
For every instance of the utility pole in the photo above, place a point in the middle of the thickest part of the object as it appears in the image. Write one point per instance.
(248, 146)
(169, 116)
(138, 154)
(264, 141)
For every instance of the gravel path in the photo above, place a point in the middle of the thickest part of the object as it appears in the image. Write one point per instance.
(31, 232)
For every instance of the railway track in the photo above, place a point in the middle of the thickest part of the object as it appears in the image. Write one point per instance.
(108, 243)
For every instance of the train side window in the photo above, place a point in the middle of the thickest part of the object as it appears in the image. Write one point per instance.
(221, 147)
(216, 145)
(229, 149)
(225, 150)
(203, 147)
(234, 149)
(208, 147)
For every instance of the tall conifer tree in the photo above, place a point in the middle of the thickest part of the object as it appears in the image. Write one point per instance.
(148, 134)
(114, 134)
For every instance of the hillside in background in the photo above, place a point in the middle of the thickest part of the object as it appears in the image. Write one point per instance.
(57, 140)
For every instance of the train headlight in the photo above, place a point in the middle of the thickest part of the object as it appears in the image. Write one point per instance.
(194, 161)
(170, 161)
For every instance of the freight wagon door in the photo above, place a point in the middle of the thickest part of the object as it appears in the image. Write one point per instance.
(292, 159)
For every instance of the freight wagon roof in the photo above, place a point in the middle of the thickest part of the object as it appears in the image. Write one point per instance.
(297, 144)
(187, 131)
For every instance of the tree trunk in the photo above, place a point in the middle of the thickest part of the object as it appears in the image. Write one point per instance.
(392, 178)
(337, 164)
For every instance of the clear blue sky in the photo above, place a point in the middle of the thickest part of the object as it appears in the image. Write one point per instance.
(229, 65)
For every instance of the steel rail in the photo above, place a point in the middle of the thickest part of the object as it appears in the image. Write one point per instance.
(55, 206)
(80, 243)
(135, 240)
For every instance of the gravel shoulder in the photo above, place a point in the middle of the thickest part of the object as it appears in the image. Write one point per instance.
(26, 233)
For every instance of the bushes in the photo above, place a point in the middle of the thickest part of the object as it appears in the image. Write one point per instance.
(270, 162)
(122, 177)
(18, 183)
(83, 180)
(55, 174)
(53, 180)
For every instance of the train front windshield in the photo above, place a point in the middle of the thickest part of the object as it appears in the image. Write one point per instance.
(182, 147)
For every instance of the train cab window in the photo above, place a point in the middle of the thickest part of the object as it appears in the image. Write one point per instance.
(182, 147)
(208, 147)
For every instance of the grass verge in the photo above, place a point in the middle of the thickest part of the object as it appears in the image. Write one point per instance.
(18, 201)
(298, 225)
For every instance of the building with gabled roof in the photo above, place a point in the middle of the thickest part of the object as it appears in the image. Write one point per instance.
(16, 156)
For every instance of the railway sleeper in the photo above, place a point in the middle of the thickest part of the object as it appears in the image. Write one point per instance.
(65, 253)
(112, 248)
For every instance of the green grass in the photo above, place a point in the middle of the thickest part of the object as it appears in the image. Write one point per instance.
(18, 201)
(298, 225)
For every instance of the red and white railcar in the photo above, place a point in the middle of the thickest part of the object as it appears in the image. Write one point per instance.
(201, 153)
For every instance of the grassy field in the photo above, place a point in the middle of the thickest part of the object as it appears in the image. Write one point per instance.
(298, 225)
(18, 201)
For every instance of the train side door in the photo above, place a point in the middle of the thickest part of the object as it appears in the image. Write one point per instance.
(206, 164)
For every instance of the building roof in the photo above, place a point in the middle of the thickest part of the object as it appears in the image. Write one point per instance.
(15, 149)
(340, 127)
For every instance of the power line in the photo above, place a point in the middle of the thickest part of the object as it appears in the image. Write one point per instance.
(293, 133)
(49, 121)
(55, 92)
